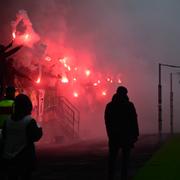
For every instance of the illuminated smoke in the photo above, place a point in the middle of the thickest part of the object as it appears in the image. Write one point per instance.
(38, 80)
(117, 36)
(22, 30)
(75, 72)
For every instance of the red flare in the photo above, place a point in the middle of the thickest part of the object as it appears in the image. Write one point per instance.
(119, 81)
(47, 58)
(14, 35)
(64, 79)
(76, 94)
(87, 72)
(38, 80)
(104, 93)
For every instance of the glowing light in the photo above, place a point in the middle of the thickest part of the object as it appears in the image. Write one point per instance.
(87, 72)
(38, 80)
(75, 68)
(104, 93)
(75, 79)
(47, 58)
(60, 60)
(111, 81)
(108, 79)
(95, 84)
(65, 65)
(14, 35)
(26, 37)
(76, 94)
(119, 81)
(64, 79)
(99, 81)
(63, 61)
(69, 68)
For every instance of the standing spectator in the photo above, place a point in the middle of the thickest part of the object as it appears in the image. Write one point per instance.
(19, 134)
(122, 130)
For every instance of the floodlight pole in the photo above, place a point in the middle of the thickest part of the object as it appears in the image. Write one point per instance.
(160, 103)
(171, 105)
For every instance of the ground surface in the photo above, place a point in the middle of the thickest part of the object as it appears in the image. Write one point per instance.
(88, 159)
(165, 163)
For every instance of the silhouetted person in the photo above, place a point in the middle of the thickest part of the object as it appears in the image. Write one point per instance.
(122, 130)
(4, 54)
(19, 134)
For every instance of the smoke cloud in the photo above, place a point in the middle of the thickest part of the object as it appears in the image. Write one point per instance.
(120, 39)
(23, 31)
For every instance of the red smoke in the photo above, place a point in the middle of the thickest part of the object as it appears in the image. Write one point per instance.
(22, 30)
(72, 72)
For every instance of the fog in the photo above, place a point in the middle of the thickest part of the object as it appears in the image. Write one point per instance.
(125, 37)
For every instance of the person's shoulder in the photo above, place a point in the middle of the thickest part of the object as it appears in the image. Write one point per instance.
(33, 124)
(33, 121)
(130, 102)
(109, 104)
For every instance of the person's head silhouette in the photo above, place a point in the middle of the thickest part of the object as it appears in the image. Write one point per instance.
(23, 106)
(121, 90)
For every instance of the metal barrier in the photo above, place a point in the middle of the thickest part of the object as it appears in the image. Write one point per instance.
(66, 114)
(70, 114)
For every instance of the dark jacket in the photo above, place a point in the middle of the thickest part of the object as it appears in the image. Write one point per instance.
(121, 121)
(27, 157)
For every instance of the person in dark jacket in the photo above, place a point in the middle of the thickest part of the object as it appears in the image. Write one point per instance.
(122, 130)
(19, 134)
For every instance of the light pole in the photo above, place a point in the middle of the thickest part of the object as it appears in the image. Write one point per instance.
(160, 96)
(160, 103)
(171, 104)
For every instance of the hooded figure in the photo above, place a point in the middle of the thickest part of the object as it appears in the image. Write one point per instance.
(122, 129)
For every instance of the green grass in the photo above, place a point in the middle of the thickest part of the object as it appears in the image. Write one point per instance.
(164, 164)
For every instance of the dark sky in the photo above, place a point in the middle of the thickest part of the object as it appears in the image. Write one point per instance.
(129, 36)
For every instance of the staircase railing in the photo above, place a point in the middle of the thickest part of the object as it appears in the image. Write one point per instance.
(70, 116)
(67, 115)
